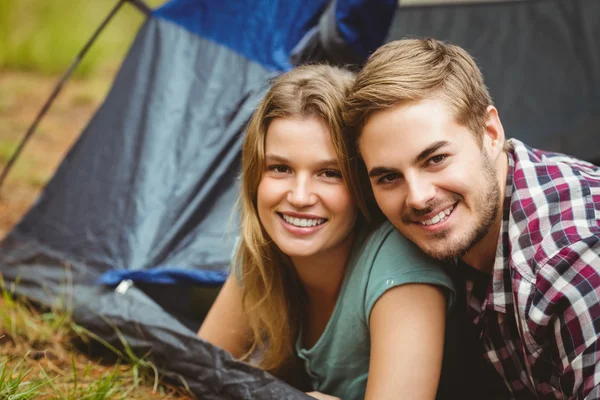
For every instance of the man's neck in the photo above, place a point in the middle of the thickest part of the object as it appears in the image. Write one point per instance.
(482, 255)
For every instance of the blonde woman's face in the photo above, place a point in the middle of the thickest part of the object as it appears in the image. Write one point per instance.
(303, 202)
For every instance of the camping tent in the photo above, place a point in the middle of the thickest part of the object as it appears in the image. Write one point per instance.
(143, 201)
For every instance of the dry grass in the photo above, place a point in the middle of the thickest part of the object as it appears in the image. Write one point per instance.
(40, 359)
(21, 97)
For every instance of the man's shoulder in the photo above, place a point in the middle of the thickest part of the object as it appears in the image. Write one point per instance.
(529, 156)
(535, 169)
(555, 204)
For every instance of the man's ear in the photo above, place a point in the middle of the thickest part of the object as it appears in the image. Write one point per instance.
(493, 139)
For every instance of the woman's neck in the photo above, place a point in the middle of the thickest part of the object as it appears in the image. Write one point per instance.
(322, 275)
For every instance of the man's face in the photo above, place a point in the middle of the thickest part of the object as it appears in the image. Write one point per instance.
(431, 178)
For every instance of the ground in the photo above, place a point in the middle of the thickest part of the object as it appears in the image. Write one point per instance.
(21, 98)
(37, 359)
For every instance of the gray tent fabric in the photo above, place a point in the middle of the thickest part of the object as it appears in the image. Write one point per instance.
(540, 60)
(156, 184)
(156, 163)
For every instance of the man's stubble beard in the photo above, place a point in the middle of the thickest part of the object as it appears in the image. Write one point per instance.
(487, 214)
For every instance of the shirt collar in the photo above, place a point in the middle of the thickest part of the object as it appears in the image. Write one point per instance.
(500, 296)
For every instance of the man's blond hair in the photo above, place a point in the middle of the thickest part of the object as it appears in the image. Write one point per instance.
(410, 70)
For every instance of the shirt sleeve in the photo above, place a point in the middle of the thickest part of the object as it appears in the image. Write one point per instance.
(573, 304)
(397, 261)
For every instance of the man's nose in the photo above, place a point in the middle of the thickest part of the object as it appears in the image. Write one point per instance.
(420, 192)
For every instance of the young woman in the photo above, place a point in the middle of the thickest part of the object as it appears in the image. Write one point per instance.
(313, 281)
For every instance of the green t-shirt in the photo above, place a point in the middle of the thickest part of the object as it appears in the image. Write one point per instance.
(338, 364)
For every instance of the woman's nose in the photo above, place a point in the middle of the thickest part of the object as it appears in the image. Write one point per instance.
(301, 193)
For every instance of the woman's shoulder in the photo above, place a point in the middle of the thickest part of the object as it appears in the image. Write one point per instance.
(390, 259)
(386, 242)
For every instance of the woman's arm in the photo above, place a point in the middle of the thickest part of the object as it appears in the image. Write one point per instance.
(407, 343)
(225, 325)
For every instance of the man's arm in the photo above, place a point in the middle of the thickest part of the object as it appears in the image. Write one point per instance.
(575, 311)
(407, 340)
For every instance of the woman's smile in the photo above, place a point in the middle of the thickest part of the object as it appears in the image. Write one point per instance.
(303, 202)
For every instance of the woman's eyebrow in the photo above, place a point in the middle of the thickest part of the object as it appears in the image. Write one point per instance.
(331, 163)
(324, 163)
(276, 158)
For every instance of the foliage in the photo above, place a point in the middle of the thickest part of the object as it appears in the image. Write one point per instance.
(45, 36)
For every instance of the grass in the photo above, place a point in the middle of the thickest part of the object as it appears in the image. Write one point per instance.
(44, 36)
(7, 148)
(40, 359)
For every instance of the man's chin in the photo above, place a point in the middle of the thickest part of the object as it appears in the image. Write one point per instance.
(441, 248)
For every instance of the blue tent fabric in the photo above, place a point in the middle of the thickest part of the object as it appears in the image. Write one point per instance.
(165, 275)
(364, 24)
(347, 33)
(264, 31)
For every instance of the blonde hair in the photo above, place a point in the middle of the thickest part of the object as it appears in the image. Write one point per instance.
(272, 295)
(410, 70)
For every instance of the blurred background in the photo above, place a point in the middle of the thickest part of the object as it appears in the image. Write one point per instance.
(38, 41)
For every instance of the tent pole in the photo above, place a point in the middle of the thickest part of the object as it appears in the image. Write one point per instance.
(140, 5)
(57, 90)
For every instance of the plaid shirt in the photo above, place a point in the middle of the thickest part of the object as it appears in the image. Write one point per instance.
(539, 318)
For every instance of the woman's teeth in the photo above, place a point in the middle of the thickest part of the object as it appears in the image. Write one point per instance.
(439, 218)
(303, 222)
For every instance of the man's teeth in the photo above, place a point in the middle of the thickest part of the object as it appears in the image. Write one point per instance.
(439, 218)
(303, 222)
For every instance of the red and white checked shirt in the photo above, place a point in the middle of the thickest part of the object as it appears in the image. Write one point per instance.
(539, 317)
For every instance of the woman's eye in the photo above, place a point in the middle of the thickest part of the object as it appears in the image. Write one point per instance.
(280, 169)
(437, 159)
(332, 174)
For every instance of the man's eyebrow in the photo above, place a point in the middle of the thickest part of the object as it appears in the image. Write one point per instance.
(432, 148)
(378, 171)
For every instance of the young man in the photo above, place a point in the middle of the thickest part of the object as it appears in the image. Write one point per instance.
(523, 224)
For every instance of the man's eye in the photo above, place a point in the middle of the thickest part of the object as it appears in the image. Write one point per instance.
(437, 159)
(389, 178)
(280, 169)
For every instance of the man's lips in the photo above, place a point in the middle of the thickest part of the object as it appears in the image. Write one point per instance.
(435, 217)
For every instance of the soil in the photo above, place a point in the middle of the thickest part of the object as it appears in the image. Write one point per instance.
(22, 95)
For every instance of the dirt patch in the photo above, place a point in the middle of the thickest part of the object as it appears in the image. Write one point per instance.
(22, 95)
